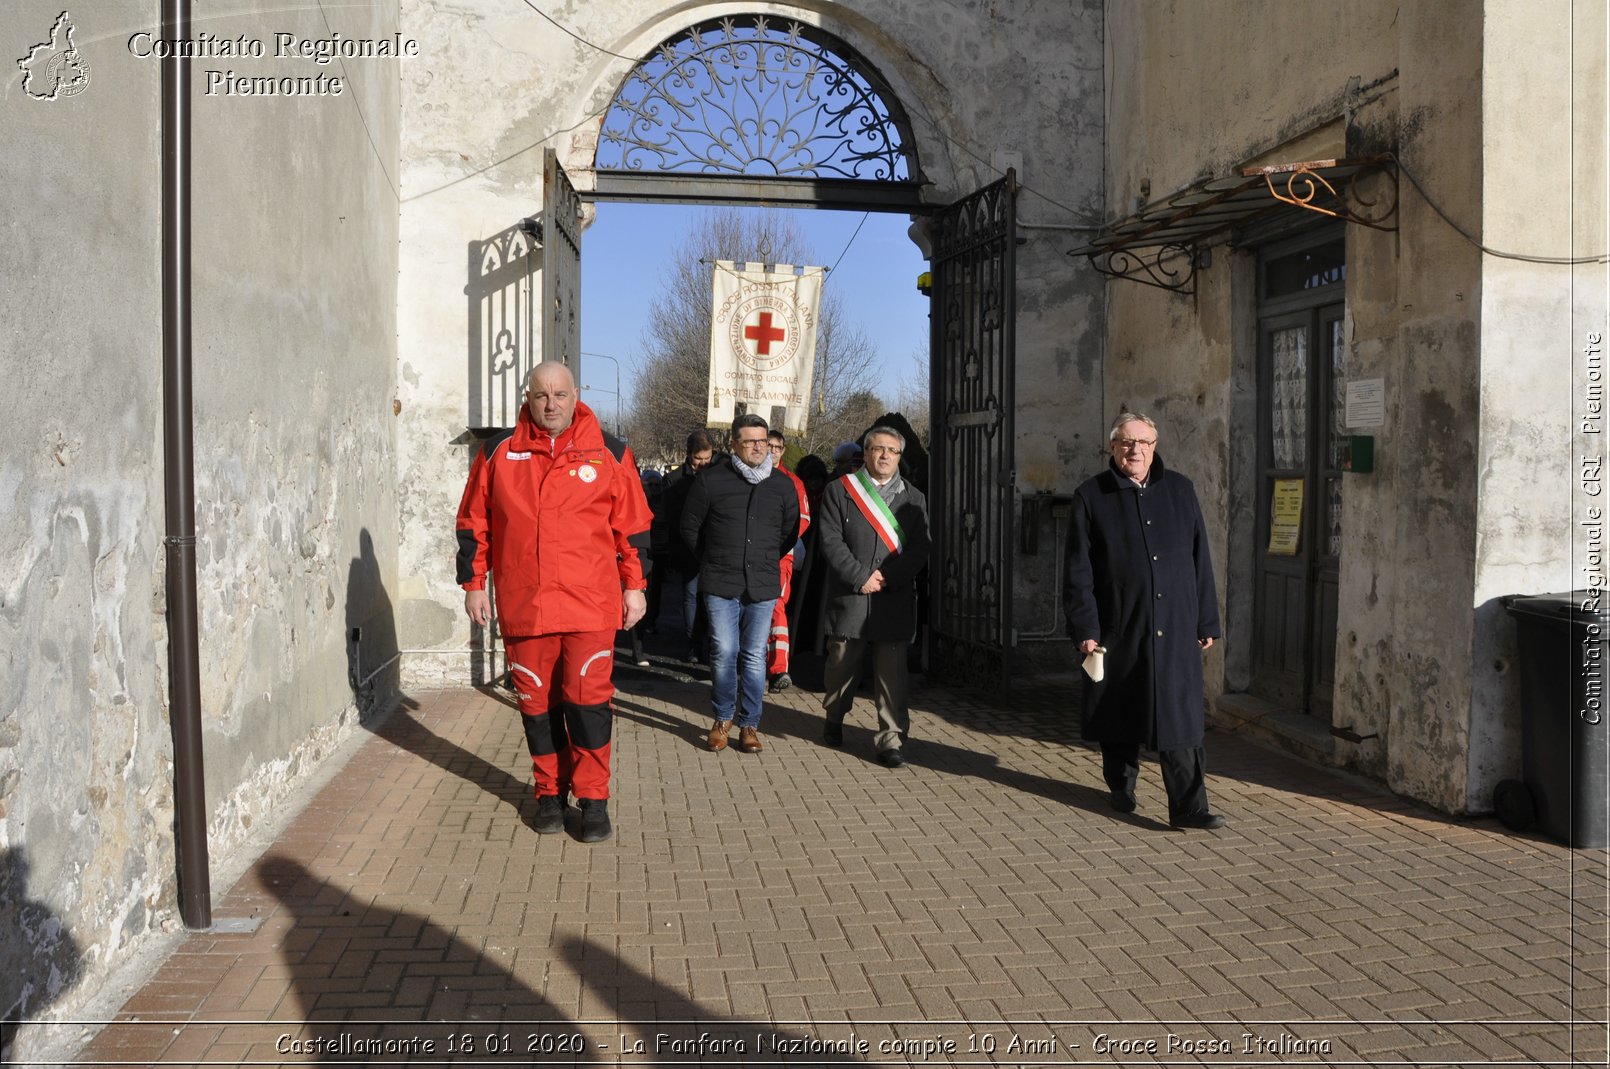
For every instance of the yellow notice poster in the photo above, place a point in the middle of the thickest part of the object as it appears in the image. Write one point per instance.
(1286, 518)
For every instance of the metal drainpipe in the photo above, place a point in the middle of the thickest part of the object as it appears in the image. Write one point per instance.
(184, 660)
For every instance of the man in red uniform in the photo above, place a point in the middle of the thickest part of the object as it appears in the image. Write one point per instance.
(777, 676)
(554, 510)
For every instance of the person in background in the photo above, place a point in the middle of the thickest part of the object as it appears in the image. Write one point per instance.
(777, 647)
(652, 487)
(847, 458)
(659, 551)
(682, 565)
(804, 602)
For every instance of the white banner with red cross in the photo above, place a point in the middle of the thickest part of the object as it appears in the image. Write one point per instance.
(763, 342)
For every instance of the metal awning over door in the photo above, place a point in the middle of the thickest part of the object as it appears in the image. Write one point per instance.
(1160, 245)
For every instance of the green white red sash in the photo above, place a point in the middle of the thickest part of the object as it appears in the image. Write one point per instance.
(864, 492)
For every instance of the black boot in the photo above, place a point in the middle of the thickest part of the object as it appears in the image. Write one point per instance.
(550, 815)
(595, 826)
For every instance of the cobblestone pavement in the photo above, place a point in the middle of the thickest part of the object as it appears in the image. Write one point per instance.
(981, 906)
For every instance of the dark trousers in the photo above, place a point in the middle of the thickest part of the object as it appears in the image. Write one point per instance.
(890, 681)
(1184, 774)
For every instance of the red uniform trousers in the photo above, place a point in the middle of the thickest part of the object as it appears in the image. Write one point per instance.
(777, 644)
(568, 735)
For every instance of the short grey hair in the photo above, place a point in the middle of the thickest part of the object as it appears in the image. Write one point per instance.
(1129, 417)
(884, 429)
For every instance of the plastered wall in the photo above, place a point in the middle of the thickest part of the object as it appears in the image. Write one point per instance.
(294, 297)
(1457, 511)
(1543, 88)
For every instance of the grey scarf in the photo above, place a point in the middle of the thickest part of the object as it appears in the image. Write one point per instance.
(755, 475)
(889, 490)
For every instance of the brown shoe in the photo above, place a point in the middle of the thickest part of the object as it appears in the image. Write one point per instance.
(718, 735)
(749, 740)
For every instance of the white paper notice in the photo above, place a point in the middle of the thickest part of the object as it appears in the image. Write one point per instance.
(1366, 404)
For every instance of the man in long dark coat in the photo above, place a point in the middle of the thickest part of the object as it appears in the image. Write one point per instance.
(872, 536)
(1140, 585)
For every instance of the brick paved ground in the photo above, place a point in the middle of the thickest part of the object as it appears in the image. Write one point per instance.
(984, 900)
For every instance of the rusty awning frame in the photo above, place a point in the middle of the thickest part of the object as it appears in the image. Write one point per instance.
(1161, 245)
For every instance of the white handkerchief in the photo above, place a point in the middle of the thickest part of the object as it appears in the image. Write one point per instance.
(1094, 661)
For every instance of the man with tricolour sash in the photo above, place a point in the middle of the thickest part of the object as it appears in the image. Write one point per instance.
(873, 539)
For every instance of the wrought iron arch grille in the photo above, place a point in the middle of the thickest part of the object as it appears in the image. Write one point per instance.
(760, 97)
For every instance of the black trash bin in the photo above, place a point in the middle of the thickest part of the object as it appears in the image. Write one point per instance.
(1565, 739)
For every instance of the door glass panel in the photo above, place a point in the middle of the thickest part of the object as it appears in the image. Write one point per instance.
(1289, 397)
(1337, 440)
(1333, 517)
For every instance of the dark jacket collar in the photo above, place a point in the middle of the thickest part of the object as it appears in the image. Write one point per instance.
(1123, 482)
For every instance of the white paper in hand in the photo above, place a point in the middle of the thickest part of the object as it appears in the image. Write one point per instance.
(1094, 661)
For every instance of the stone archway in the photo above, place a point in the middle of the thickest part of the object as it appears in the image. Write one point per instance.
(758, 109)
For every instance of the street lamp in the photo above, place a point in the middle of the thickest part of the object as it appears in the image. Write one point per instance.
(617, 364)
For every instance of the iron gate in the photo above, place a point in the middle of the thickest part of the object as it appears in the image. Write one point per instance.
(511, 328)
(561, 265)
(972, 489)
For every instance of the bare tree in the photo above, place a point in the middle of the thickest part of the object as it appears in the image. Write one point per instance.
(669, 390)
(842, 386)
(912, 400)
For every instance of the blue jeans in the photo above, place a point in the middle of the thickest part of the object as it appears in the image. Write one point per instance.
(690, 602)
(738, 633)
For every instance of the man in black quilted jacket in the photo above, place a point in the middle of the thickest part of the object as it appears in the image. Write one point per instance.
(741, 518)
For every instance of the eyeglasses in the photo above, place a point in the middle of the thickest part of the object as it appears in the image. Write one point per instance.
(1131, 443)
(777, 447)
(883, 449)
(751, 441)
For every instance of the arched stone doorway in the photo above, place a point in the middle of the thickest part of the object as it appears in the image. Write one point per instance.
(757, 109)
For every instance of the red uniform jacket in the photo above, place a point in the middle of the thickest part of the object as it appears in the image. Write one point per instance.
(804, 500)
(554, 519)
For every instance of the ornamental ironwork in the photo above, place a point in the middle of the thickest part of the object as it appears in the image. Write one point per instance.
(1164, 244)
(503, 329)
(1169, 267)
(971, 490)
(756, 96)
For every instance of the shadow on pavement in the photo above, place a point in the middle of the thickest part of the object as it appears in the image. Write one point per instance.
(363, 974)
(674, 1017)
(402, 730)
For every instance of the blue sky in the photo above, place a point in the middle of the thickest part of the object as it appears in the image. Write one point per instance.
(628, 247)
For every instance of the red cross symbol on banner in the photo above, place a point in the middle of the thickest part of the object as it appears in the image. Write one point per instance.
(764, 334)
